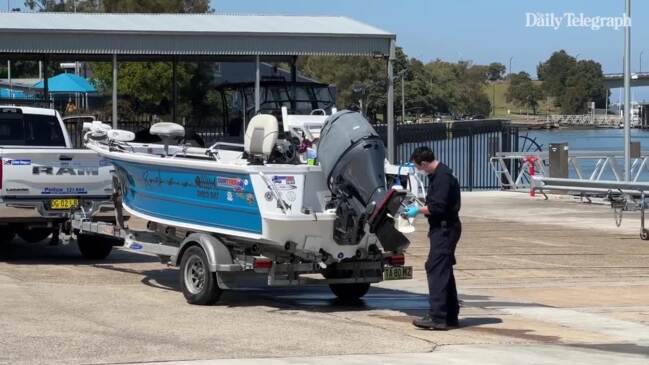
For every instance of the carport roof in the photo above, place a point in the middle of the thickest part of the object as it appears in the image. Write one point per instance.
(188, 35)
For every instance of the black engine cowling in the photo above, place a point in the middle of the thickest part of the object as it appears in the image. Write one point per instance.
(352, 157)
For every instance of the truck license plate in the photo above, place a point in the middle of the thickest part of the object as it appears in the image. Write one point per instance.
(60, 204)
(397, 273)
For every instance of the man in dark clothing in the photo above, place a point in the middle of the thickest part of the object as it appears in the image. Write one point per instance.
(442, 208)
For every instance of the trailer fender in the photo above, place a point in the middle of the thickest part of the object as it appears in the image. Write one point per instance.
(218, 255)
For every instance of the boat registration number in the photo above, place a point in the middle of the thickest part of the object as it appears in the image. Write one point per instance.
(397, 273)
(61, 204)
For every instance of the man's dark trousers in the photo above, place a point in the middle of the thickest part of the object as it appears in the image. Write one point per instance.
(444, 306)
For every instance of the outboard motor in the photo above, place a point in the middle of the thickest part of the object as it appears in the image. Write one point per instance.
(352, 157)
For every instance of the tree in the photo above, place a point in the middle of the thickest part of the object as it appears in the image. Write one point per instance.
(585, 85)
(146, 87)
(555, 71)
(121, 6)
(457, 88)
(523, 92)
(495, 71)
(572, 84)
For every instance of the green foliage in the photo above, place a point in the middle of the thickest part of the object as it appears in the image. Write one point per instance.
(523, 92)
(436, 87)
(572, 84)
(156, 6)
(495, 71)
(146, 87)
(121, 6)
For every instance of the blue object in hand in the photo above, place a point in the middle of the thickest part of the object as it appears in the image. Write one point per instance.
(412, 211)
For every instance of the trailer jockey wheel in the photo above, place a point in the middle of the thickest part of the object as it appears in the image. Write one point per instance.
(198, 283)
(645, 234)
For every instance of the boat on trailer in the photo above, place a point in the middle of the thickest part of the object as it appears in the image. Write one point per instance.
(310, 195)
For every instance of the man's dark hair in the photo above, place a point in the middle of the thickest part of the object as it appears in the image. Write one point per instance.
(421, 154)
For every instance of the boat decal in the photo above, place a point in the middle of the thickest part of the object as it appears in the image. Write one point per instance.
(284, 182)
(250, 198)
(235, 183)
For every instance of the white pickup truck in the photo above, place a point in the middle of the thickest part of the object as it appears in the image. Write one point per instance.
(42, 178)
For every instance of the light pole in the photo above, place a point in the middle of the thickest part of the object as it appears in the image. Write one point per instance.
(640, 69)
(627, 91)
(510, 67)
(402, 73)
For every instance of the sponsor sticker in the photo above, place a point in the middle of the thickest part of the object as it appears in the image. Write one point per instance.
(284, 182)
(231, 182)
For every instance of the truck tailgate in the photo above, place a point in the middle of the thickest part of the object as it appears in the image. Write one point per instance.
(54, 172)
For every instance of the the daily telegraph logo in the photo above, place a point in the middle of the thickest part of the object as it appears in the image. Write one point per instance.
(574, 20)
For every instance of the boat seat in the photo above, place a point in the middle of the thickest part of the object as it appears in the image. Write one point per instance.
(166, 130)
(261, 135)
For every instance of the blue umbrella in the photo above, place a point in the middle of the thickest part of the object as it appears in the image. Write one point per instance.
(67, 83)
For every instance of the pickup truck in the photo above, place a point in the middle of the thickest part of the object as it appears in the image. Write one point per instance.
(42, 179)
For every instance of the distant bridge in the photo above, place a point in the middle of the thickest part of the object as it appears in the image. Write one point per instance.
(613, 81)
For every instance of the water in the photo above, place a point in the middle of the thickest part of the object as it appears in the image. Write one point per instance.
(603, 139)
(593, 140)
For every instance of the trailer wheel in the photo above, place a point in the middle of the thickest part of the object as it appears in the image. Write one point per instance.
(7, 234)
(197, 281)
(350, 292)
(34, 235)
(94, 247)
(645, 234)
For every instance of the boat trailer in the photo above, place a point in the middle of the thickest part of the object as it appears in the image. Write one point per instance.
(623, 196)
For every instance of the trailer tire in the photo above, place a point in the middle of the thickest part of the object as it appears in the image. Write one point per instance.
(350, 292)
(198, 283)
(34, 235)
(644, 235)
(7, 234)
(94, 247)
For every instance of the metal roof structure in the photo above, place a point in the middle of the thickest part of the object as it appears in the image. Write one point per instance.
(188, 35)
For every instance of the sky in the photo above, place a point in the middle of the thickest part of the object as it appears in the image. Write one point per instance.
(484, 31)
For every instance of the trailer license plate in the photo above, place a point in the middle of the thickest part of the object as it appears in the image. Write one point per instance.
(60, 204)
(397, 273)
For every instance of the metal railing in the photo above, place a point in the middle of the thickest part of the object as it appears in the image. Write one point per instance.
(597, 120)
(464, 146)
(512, 168)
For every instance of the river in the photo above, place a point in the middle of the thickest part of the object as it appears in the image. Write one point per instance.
(592, 140)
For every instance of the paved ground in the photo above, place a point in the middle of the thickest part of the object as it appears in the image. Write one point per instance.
(542, 281)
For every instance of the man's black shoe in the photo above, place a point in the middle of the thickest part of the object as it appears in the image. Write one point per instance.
(428, 323)
(455, 323)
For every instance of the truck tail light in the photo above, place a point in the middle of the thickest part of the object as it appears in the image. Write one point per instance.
(397, 260)
(262, 264)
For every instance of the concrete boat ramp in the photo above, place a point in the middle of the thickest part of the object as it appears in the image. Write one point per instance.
(543, 282)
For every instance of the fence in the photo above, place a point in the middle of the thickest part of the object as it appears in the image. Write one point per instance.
(466, 147)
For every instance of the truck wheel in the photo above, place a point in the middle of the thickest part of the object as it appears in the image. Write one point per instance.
(7, 234)
(197, 281)
(94, 247)
(350, 292)
(34, 235)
